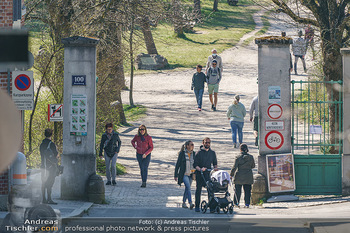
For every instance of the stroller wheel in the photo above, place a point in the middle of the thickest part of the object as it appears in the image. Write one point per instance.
(204, 206)
(230, 209)
(225, 209)
(217, 209)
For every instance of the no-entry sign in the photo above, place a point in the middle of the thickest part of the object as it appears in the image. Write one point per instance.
(274, 111)
(23, 89)
(274, 140)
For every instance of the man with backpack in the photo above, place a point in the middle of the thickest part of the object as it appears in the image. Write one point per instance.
(49, 166)
(110, 143)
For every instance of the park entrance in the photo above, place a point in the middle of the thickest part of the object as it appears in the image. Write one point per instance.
(317, 136)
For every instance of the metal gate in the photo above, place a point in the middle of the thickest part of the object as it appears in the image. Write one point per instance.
(317, 136)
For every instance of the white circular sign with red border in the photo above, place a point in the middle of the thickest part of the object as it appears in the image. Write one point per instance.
(274, 111)
(274, 140)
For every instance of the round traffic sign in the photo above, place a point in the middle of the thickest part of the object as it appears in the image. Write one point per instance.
(274, 140)
(274, 111)
(22, 82)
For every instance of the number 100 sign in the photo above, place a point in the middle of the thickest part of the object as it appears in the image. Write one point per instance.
(78, 80)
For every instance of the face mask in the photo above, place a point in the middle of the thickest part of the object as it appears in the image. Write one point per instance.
(214, 54)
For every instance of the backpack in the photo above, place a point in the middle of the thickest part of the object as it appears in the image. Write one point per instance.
(49, 155)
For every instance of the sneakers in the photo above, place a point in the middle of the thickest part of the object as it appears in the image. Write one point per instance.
(184, 205)
(113, 182)
(199, 109)
(197, 209)
(256, 141)
(212, 107)
(108, 183)
(191, 206)
(246, 206)
(305, 70)
(143, 185)
(234, 145)
(51, 202)
(236, 205)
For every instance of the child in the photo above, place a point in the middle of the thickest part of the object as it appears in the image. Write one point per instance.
(198, 81)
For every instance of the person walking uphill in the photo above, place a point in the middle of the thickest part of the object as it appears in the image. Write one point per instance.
(203, 160)
(184, 170)
(49, 163)
(213, 79)
(236, 113)
(243, 175)
(110, 143)
(299, 51)
(143, 144)
(198, 81)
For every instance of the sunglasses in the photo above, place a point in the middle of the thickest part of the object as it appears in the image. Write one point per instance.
(206, 142)
(141, 129)
(191, 144)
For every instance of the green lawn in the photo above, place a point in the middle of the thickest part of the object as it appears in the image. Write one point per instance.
(220, 30)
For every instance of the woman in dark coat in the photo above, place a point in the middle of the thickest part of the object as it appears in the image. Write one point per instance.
(243, 175)
(184, 170)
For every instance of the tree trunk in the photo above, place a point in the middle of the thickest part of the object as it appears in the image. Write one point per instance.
(215, 7)
(120, 76)
(147, 33)
(197, 9)
(333, 71)
(131, 54)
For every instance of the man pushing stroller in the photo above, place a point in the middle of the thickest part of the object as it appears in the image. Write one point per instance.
(203, 160)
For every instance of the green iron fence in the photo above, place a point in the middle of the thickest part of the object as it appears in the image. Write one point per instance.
(317, 136)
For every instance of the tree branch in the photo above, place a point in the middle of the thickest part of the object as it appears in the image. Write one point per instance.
(286, 9)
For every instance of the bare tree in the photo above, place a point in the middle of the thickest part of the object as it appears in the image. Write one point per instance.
(332, 20)
(215, 6)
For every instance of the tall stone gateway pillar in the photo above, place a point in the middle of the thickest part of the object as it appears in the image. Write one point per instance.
(346, 122)
(274, 104)
(79, 117)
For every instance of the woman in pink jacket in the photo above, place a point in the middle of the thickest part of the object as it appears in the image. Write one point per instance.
(143, 144)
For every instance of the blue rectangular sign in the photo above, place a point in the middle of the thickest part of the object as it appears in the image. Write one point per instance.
(78, 80)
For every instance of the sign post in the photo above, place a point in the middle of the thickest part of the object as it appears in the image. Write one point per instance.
(55, 112)
(23, 89)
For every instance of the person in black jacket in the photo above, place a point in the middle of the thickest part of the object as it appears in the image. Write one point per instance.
(203, 160)
(110, 143)
(184, 170)
(49, 162)
(198, 81)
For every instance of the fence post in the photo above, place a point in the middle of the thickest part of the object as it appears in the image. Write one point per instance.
(346, 122)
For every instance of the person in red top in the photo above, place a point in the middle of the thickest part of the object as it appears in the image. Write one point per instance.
(143, 144)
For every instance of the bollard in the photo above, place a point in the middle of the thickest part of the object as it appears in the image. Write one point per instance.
(259, 189)
(96, 189)
(19, 170)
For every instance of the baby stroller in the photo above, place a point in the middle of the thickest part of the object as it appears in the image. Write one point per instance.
(218, 194)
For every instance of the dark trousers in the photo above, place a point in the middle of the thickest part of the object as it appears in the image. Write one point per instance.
(199, 184)
(143, 164)
(247, 193)
(48, 179)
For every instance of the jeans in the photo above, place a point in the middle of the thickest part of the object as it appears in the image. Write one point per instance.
(247, 193)
(199, 96)
(110, 166)
(187, 194)
(143, 164)
(237, 126)
(296, 62)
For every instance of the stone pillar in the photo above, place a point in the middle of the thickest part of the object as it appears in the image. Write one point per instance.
(346, 122)
(79, 116)
(274, 100)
